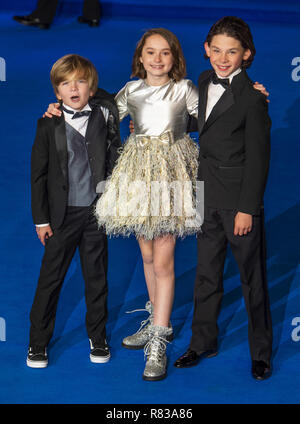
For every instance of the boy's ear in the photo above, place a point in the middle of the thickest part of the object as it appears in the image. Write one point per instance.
(207, 49)
(247, 54)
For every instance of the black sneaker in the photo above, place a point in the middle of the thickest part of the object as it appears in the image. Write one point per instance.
(99, 352)
(37, 357)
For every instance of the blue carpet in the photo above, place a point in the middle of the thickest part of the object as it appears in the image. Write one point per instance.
(70, 377)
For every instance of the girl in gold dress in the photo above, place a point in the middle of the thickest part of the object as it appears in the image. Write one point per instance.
(150, 192)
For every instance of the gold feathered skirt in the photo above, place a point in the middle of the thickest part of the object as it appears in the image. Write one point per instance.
(151, 191)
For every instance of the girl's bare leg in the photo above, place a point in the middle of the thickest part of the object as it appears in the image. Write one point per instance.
(163, 266)
(146, 247)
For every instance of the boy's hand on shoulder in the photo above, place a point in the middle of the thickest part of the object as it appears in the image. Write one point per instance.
(44, 233)
(53, 110)
(242, 224)
(262, 89)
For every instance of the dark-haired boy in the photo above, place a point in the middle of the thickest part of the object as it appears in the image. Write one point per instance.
(71, 154)
(234, 130)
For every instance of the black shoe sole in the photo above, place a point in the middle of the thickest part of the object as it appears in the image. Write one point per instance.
(139, 347)
(265, 377)
(161, 377)
(133, 347)
(35, 24)
(82, 20)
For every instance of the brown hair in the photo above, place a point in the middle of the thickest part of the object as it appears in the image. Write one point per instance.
(74, 64)
(178, 70)
(236, 28)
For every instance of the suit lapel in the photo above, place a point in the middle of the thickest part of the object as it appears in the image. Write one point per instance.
(203, 89)
(96, 121)
(61, 144)
(228, 98)
(222, 105)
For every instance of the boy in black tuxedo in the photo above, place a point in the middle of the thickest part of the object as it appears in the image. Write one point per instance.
(71, 154)
(234, 131)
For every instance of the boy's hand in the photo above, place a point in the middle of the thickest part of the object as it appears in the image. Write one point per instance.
(131, 127)
(52, 110)
(44, 233)
(242, 224)
(262, 89)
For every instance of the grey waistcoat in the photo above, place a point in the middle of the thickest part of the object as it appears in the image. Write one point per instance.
(81, 187)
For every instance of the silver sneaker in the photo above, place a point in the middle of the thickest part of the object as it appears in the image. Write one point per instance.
(139, 339)
(155, 350)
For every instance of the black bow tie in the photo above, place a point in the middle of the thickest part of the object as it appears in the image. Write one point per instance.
(76, 114)
(80, 114)
(223, 81)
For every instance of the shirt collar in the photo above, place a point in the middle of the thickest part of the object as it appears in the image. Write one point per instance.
(86, 107)
(230, 77)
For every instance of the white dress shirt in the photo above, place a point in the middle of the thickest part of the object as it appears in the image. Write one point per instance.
(215, 91)
(79, 124)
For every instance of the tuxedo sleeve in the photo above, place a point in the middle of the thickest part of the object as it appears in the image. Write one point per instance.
(257, 157)
(114, 142)
(39, 175)
(192, 125)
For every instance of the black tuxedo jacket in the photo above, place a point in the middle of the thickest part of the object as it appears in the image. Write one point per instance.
(234, 146)
(49, 159)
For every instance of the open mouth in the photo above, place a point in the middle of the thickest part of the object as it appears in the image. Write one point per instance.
(75, 98)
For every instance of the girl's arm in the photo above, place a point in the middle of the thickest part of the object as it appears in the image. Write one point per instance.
(192, 97)
(121, 101)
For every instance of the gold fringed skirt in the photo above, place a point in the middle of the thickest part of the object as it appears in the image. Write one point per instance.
(151, 192)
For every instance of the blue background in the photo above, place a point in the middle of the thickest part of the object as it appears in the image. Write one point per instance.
(70, 378)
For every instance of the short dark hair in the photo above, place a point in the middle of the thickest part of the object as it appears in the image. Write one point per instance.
(178, 70)
(236, 28)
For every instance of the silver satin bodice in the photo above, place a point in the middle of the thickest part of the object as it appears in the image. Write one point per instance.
(157, 109)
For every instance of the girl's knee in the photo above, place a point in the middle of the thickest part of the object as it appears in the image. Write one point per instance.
(148, 258)
(162, 270)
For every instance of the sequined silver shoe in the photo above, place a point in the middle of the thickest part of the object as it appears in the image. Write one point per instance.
(139, 339)
(155, 351)
(142, 336)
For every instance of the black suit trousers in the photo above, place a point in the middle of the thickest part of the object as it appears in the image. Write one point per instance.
(80, 230)
(46, 9)
(250, 253)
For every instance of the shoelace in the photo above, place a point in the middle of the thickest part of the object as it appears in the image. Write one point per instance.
(144, 322)
(155, 348)
(142, 310)
(95, 346)
(37, 350)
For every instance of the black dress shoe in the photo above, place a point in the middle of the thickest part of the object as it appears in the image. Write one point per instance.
(261, 370)
(191, 358)
(90, 22)
(28, 20)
